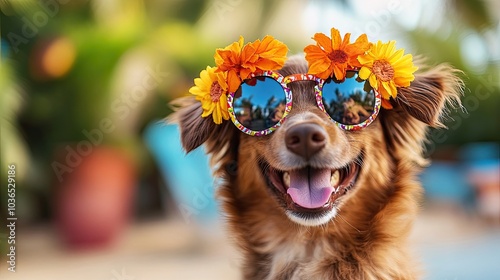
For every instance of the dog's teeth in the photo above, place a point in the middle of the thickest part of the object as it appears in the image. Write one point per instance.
(334, 179)
(286, 179)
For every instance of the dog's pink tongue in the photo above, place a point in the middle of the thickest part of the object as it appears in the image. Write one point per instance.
(310, 188)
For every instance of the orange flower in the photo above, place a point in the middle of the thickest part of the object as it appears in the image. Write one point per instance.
(228, 60)
(239, 60)
(270, 54)
(334, 56)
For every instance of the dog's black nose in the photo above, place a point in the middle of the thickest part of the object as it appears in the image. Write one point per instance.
(305, 139)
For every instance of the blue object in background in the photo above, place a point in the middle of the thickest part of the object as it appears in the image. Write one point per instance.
(481, 156)
(474, 255)
(4, 48)
(188, 176)
(447, 181)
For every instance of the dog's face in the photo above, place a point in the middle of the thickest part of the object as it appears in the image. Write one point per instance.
(309, 165)
(310, 169)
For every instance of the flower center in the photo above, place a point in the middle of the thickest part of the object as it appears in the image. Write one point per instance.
(338, 56)
(383, 70)
(215, 91)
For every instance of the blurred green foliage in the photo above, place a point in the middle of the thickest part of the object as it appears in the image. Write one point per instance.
(479, 120)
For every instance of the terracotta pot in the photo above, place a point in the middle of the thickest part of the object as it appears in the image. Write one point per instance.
(94, 201)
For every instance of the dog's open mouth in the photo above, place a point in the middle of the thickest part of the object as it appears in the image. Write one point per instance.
(312, 193)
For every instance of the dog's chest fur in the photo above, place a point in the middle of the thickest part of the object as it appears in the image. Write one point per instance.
(276, 248)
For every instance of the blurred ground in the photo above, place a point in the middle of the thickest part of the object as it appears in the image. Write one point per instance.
(159, 249)
(455, 245)
(448, 240)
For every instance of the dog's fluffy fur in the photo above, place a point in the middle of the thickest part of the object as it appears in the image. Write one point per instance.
(365, 234)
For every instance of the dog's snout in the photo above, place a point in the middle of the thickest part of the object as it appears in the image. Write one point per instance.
(305, 139)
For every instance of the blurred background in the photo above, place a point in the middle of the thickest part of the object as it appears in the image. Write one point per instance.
(103, 190)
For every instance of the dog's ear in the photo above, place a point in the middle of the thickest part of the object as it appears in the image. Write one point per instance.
(196, 130)
(429, 94)
(425, 103)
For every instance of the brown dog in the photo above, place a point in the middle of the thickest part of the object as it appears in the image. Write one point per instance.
(361, 232)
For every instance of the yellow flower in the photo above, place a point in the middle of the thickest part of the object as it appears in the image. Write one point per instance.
(333, 56)
(211, 90)
(386, 69)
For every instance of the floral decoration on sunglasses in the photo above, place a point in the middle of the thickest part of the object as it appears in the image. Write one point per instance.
(352, 81)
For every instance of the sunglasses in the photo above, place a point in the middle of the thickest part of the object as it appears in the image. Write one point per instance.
(263, 101)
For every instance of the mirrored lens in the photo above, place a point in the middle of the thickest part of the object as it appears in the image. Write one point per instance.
(349, 102)
(259, 103)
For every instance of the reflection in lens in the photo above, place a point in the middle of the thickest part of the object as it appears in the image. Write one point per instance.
(259, 103)
(350, 102)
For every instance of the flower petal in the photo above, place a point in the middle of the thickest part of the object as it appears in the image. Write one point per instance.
(233, 80)
(323, 42)
(373, 81)
(346, 41)
(395, 57)
(247, 55)
(393, 89)
(223, 106)
(386, 104)
(361, 42)
(222, 80)
(364, 73)
(366, 60)
(339, 71)
(314, 52)
(335, 41)
(216, 115)
(325, 74)
(245, 73)
(384, 90)
(390, 48)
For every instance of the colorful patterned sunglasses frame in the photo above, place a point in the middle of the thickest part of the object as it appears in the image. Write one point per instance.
(318, 89)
